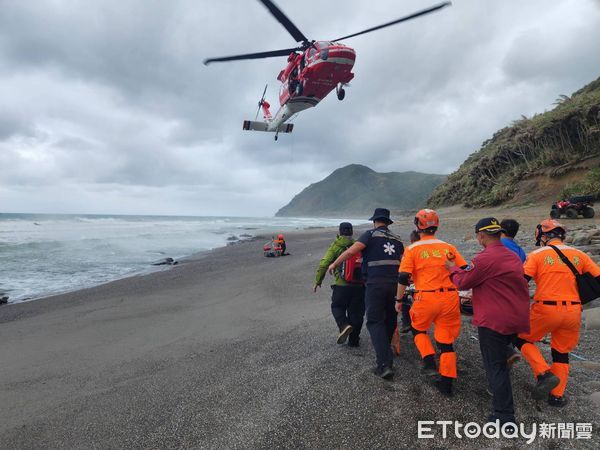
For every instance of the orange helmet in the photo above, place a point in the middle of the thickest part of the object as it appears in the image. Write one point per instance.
(280, 237)
(549, 227)
(427, 218)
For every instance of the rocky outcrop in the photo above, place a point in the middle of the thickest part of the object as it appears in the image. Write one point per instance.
(586, 238)
(165, 262)
(234, 240)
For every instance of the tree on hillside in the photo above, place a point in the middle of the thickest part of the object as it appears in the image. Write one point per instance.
(562, 99)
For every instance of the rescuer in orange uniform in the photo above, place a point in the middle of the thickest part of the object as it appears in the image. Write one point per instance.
(435, 300)
(556, 309)
(281, 242)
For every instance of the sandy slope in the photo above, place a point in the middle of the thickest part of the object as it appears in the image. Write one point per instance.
(233, 350)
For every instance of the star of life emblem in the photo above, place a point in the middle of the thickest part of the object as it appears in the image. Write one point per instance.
(389, 248)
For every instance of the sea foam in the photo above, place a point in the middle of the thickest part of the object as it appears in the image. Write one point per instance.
(42, 255)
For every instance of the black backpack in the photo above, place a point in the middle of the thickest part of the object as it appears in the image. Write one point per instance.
(587, 285)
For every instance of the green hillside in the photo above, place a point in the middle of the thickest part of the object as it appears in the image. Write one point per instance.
(549, 145)
(357, 190)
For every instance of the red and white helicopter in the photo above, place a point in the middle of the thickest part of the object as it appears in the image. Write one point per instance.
(314, 69)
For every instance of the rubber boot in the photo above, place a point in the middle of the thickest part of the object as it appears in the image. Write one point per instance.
(444, 385)
(545, 383)
(429, 369)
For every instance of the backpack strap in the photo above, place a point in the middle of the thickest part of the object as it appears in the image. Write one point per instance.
(390, 235)
(565, 260)
(342, 248)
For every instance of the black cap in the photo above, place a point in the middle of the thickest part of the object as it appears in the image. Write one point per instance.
(381, 215)
(346, 229)
(489, 225)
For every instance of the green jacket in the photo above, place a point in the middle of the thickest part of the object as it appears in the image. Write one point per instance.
(339, 246)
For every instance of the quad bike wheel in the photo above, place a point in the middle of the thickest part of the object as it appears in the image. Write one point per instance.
(571, 213)
(588, 212)
(554, 214)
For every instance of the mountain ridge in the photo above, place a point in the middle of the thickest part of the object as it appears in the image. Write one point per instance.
(356, 189)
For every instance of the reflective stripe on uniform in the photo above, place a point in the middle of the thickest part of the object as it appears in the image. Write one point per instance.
(425, 242)
(384, 262)
(560, 247)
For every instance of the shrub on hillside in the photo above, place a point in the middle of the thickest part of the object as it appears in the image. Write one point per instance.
(590, 185)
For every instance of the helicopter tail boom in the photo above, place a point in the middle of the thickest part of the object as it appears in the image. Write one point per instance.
(266, 126)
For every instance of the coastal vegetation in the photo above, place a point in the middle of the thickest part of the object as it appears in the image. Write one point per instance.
(551, 144)
(589, 185)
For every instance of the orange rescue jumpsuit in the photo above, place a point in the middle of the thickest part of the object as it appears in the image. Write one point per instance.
(436, 299)
(556, 308)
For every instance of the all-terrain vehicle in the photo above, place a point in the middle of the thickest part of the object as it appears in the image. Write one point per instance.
(574, 207)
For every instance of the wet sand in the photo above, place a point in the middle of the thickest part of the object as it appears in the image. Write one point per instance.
(233, 350)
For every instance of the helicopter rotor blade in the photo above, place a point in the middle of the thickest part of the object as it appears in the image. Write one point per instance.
(403, 19)
(283, 20)
(271, 54)
(264, 92)
(260, 103)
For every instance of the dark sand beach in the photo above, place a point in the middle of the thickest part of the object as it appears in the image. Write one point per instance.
(233, 350)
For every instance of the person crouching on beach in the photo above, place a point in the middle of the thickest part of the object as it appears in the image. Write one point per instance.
(436, 298)
(381, 253)
(347, 299)
(500, 309)
(280, 241)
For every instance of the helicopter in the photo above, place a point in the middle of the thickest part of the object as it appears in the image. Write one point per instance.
(314, 69)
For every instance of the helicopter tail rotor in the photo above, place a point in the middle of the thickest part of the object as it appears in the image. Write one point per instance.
(261, 102)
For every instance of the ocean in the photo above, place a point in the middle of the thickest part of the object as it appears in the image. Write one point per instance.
(41, 254)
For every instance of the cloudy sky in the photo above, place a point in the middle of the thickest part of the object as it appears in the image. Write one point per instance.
(106, 107)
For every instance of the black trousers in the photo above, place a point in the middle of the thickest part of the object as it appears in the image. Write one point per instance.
(382, 319)
(348, 308)
(495, 350)
(407, 302)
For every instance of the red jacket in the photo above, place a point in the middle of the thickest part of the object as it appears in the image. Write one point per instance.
(500, 291)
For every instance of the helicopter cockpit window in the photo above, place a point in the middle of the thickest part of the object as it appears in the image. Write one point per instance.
(312, 52)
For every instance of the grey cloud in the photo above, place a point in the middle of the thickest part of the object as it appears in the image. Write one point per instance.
(114, 97)
(13, 125)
